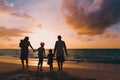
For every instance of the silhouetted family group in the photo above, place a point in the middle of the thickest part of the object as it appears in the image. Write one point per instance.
(59, 50)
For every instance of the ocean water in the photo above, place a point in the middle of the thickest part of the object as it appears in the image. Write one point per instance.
(100, 59)
(96, 55)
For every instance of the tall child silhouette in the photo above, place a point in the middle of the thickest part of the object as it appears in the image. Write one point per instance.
(41, 54)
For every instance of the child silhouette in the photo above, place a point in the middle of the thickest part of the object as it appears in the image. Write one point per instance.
(41, 54)
(50, 59)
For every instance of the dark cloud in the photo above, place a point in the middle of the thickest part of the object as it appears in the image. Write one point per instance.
(6, 8)
(5, 32)
(86, 39)
(95, 22)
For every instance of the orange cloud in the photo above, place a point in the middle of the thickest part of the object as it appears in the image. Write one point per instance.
(5, 32)
(113, 36)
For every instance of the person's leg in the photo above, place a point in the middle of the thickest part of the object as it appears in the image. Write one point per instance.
(58, 62)
(61, 64)
(51, 66)
(26, 63)
(38, 63)
(58, 66)
(22, 63)
(41, 63)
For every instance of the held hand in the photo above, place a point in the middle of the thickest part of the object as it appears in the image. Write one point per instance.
(53, 55)
(44, 56)
(66, 55)
(33, 50)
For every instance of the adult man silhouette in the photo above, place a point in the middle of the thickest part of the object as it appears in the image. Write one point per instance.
(59, 50)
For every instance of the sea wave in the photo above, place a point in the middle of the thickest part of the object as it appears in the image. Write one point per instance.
(77, 55)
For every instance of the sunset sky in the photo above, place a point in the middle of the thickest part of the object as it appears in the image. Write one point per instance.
(81, 23)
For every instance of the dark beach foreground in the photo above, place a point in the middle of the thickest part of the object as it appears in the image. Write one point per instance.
(10, 71)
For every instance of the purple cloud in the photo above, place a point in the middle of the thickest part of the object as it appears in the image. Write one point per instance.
(92, 21)
(6, 8)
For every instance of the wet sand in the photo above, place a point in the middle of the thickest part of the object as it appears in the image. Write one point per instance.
(10, 71)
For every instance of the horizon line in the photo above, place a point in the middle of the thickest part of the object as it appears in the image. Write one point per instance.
(52, 48)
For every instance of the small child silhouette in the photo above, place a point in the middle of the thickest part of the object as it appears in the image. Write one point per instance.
(50, 59)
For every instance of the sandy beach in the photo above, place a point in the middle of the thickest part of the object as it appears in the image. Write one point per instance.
(13, 71)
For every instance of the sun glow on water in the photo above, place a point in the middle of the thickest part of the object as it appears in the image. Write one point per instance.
(35, 63)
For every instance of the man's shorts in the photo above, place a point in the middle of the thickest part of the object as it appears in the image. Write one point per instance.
(60, 59)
